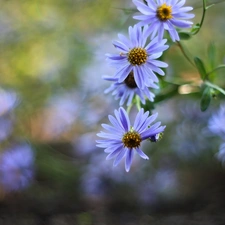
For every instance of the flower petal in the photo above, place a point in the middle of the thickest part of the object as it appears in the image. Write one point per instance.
(141, 153)
(120, 156)
(129, 158)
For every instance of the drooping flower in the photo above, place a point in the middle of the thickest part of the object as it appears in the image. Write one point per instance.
(137, 57)
(128, 89)
(16, 168)
(122, 139)
(163, 15)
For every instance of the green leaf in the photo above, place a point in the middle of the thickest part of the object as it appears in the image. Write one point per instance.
(214, 86)
(206, 99)
(209, 6)
(185, 35)
(195, 28)
(200, 66)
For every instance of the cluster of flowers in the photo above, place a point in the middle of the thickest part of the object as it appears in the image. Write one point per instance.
(137, 67)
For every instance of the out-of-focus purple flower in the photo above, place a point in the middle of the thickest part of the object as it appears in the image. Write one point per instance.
(8, 101)
(216, 123)
(163, 15)
(96, 174)
(166, 182)
(189, 140)
(137, 57)
(123, 139)
(128, 89)
(16, 168)
(61, 113)
(162, 183)
(84, 147)
(5, 128)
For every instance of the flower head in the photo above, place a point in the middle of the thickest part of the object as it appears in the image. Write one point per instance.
(16, 168)
(164, 15)
(138, 58)
(128, 89)
(122, 139)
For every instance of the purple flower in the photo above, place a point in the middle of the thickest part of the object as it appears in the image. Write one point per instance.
(122, 138)
(163, 15)
(216, 123)
(8, 101)
(16, 168)
(128, 89)
(138, 58)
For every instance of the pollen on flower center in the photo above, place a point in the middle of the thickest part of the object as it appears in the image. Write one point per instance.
(164, 12)
(129, 81)
(131, 139)
(137, 56)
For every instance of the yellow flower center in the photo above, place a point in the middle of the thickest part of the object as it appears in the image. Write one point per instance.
(131, 139)
(164, 12)
(137, 56)
(129, 81)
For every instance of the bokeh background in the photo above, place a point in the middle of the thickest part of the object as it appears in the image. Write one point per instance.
(52, 105)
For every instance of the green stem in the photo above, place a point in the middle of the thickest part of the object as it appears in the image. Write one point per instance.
(184, 53)
(209, 84)
(138, 103)
(203, 17)
(129, 108)
(217, 68)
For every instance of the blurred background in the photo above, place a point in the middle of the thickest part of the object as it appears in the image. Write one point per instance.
(52, 105)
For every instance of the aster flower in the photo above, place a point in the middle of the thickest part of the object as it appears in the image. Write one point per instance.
(164, 15)
(128, 89)
(122, 139)
(138, 58)
(16, 168)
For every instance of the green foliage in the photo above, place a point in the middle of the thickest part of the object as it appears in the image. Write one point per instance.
(201, 67)
(185, 35)
(206, 98)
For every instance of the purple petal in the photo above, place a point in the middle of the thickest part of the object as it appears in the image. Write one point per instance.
(143, 8)
(148, 133)
(124, 119)
(115, 56)
(125, 40)
(114, 153)
(111, 129)
(129, 159)
(141, 153)
(180, 23)
(123, 72)
(115, 123)
(121, 46)
(120, 156)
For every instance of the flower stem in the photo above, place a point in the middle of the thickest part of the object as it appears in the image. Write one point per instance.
(138, 103)
(129, 108)
(203, 17)
(217, 68)
(184, 53)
